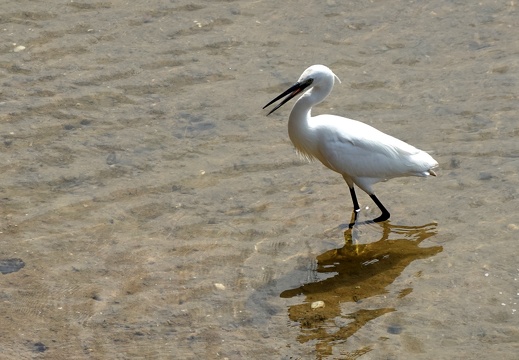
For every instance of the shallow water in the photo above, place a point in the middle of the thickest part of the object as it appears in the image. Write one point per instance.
(159, 214)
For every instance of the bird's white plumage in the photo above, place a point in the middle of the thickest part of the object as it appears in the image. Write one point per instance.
(361, 153)
(349, 147)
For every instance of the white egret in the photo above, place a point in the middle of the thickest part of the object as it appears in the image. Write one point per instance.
(362, 154)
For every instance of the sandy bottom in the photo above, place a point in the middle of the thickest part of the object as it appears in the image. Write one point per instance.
(150, 210)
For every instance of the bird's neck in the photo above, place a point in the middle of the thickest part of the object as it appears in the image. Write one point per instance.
(299, 129)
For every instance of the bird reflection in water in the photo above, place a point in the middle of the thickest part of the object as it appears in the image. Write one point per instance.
(356, 272)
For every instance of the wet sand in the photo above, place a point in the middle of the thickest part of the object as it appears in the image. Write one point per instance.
(150, 210)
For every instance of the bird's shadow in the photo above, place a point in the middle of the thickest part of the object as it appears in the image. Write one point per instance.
(353, 274)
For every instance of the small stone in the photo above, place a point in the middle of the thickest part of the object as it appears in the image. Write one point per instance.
(39, 347)
(219, 286)
(8, 266)
(394, 329)
(317, 304)
(485, 175)
(19, 48)
(111, 159)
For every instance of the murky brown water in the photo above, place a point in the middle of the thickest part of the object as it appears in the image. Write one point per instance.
(149, 209)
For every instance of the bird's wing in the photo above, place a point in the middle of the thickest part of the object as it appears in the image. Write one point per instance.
(354, 148)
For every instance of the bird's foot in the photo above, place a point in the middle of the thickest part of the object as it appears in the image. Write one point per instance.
(385, 213)
(383, 217)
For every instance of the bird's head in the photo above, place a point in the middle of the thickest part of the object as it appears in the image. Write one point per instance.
(315, 76)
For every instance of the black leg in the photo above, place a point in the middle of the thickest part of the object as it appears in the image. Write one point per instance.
(356, 206)
(385, 214)
(353, 221)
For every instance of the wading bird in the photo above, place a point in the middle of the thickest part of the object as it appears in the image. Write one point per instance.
(362, 154)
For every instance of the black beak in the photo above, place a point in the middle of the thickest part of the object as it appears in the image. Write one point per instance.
(291, 92)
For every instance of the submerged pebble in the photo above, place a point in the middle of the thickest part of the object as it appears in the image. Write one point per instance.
(394, 329)
(10, 265)
(485, 175)
(317, 304)
(39, 347)
(219, 286)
